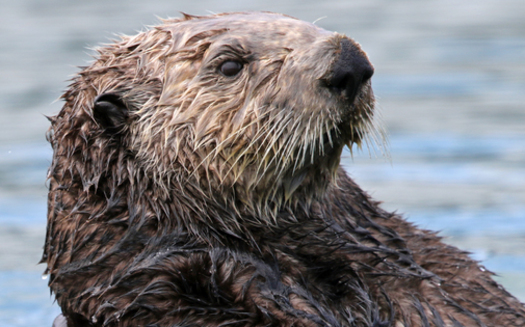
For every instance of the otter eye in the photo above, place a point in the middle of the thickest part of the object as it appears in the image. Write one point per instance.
(230, 68)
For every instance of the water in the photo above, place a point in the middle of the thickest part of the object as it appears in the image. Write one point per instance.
(450, 79)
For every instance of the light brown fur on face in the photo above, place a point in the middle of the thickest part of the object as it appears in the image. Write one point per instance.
(239, 136)
(182, 194)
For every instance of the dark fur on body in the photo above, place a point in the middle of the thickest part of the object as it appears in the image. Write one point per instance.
(182, 197)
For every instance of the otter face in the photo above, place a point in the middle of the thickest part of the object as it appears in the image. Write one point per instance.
(251, 106)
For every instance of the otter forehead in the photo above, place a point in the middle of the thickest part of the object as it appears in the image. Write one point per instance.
(270, 28)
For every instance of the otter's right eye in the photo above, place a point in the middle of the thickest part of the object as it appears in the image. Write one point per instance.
(230, 68)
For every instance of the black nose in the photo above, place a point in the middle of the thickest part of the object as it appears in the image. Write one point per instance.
(351, 70)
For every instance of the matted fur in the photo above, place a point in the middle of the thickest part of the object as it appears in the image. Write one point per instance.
(221, 201)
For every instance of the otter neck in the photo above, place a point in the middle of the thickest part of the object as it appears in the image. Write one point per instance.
(215, 220)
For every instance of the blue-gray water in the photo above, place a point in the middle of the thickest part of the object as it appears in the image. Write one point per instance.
(450, 79)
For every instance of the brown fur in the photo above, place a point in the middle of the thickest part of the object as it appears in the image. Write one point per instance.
(220, 201)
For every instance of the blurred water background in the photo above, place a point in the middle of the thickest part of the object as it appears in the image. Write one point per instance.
(450, 79)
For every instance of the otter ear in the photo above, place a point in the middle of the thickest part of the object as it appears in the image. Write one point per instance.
(110, 112)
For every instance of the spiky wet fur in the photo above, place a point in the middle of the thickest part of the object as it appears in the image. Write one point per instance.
(221, 202)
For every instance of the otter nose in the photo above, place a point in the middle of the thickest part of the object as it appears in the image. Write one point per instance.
(351, 70)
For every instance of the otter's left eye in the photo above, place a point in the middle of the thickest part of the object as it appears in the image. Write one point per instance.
(230, 68)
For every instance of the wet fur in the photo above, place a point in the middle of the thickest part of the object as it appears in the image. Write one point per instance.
(220, 203)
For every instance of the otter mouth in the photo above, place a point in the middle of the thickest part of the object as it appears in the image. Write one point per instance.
(335, 139)
(357, 124)
(355, 120)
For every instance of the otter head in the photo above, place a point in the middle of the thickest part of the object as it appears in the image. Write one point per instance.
(249, 111)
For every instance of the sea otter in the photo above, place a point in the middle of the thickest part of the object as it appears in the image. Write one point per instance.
(195, 181)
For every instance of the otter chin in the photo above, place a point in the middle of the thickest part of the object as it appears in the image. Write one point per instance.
(196, 181)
